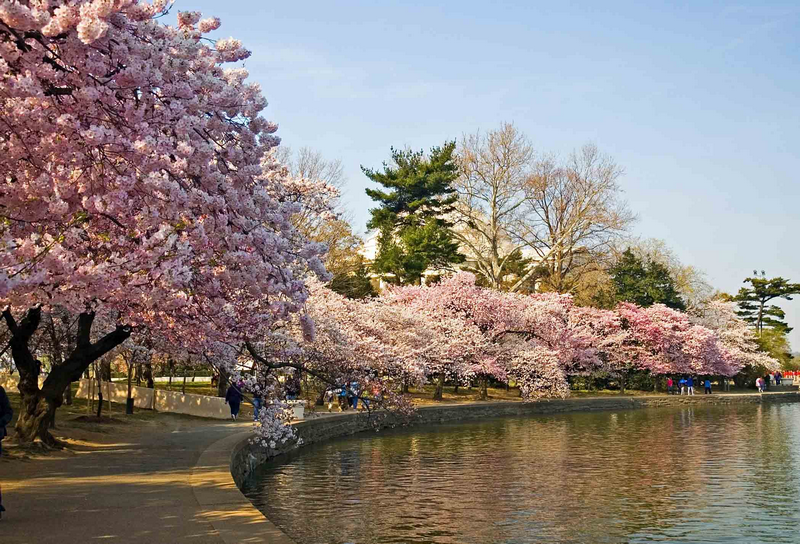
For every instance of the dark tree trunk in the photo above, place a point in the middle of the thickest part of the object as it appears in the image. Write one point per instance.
(148, 374)
(405, 386)
(438, 393)
(38, 405)
(105, 370)
(129, 398)
(100, 393)
(455, 389)
(484, 382)
(222, 385)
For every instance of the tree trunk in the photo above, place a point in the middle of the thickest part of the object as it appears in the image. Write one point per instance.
(455, 389)
(100, 393)
(405, 386)
(35, 415)
(484, 382)
(183, 388)
(38, 405)
(68, 394)
(90, 404)
(222, 385)
(622, 378)
(129, 398)
(148, 374)
(438, 393)
(105, 370)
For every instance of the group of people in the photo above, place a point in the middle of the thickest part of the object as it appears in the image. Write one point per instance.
(763, 383)
(686, 386)
(234, 395)
(346, 397)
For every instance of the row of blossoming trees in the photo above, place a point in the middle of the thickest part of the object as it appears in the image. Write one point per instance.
(459, 331)
(142, 204)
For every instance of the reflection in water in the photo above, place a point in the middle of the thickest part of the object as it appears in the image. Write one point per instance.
(702, 474)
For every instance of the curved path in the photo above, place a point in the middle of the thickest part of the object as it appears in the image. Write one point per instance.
(142, 487)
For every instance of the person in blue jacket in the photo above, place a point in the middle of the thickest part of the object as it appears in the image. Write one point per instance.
(690, 385)
(234, 398)
(6, 414)
(707, 385)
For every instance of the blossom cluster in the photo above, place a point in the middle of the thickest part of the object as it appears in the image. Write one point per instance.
(131, 178)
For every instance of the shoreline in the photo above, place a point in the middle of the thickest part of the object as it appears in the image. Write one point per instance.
(227, 463)
(246, 457)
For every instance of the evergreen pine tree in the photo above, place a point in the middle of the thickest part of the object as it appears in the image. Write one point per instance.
(417, 196)
(754, 301)
(644, 282)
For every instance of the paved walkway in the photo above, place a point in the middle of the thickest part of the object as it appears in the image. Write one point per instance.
(134, 488)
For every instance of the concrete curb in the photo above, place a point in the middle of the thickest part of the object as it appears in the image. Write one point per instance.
(223, 506)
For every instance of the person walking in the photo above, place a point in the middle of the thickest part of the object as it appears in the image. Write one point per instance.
(690, 385)
(760, 384)
(6, 414)
(256, 400)
(778, 377)
(234, 399)
(669, 386)
(293, 386)
(682, 384)
(707, 385)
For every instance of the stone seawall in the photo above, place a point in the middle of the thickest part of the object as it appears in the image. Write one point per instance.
(246, 456)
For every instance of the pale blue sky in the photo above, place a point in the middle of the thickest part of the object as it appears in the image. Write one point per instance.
(698, 101)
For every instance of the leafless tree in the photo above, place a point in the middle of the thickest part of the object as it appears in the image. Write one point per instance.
(311, 164)
(572, 213)
(495, 167)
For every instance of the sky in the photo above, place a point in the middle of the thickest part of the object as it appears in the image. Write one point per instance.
(697, 101)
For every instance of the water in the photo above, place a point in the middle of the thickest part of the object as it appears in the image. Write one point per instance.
(703, 474)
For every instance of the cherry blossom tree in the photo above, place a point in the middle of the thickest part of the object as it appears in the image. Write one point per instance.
(528, 338)
(341, 342)
(133, 189)
(665, 341)
(735, 335)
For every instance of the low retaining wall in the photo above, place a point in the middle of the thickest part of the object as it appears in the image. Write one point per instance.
(116, 392)
(159, 400)
(247, 456)
(10, 382)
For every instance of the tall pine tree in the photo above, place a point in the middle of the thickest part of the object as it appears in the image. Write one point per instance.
(411, 219)
(644, 282)
(754, 301)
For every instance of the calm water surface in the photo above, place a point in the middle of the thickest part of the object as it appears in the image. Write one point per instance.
(702, 474)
